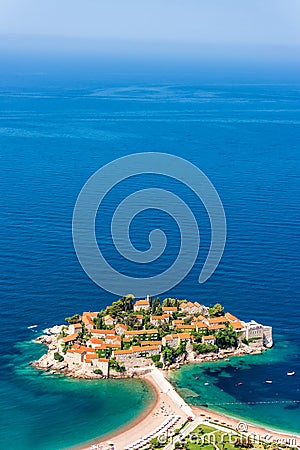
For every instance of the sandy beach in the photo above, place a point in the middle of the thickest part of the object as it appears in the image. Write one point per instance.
(167, 402)
(164, 405)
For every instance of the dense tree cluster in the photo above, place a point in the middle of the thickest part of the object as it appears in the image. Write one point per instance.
(226, 337)
(124, 304)
(172, 353)
(73, 319)
(216, 311)
(204, 348)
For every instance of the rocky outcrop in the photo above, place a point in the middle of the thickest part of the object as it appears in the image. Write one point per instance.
(44, 339)
(56, 330)
(139, 371)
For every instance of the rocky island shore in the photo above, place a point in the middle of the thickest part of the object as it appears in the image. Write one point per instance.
(130, 337)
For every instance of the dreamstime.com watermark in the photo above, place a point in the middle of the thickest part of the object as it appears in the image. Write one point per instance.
(216, 437)
(97, 187)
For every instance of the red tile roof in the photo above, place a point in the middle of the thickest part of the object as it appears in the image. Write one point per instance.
(89, 357)
(200, 325)
(230, 317)
(70, 338)
(141, 332)
(220, 319)
(95, 340)
(185, 327)
(123, 352)
(103, 331)
(137, 349)
(142, 303)
(143, 343)
(207, 338)
(237, 325)
(216, 327)
(184, 335)
(171, 337)
(120, 325)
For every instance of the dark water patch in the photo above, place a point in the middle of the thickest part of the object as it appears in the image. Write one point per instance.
(239, 388)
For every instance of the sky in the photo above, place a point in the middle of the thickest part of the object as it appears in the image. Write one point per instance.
(197, 35)
(212, 22)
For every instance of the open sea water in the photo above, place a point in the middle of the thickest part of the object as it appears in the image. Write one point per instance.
(246, 139)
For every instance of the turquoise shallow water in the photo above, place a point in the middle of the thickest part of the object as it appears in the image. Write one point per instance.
(275, 405)
(49, 412)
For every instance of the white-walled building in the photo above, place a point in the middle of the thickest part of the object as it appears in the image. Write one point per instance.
(141, 305)
(75, 328)
(191, 308)
(210, 340)
(254, 330)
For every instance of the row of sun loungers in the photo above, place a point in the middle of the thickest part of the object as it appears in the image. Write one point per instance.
(161, 429)
(104, 446)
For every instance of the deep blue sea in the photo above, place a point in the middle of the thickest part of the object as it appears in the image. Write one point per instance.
(246, 139)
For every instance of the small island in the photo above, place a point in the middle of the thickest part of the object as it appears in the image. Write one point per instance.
(146, 337)
(131, 337)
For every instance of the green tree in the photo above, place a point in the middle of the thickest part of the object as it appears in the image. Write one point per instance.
(169, 301)
(204, 348)
(159, 364)
(197, 336)
(132, 322)
(159, 310)
(169, 354)
(128, 302)
(121, 307)
(58, 357)
(73, 319)
(98, 321)
(155, 358)
(155, 443)
(63, 332)
(187, 321)
(216, 311)
(226, 337)
(116, 309)
(155, 305)
(136, 341)
(146, 316)
(113, 364)
(163, 329)
(172, 353)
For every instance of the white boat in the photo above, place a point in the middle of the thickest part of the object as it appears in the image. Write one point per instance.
(269, 381)
(32, 326)
(290, 374)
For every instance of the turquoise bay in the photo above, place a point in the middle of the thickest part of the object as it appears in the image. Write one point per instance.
(48, 412)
